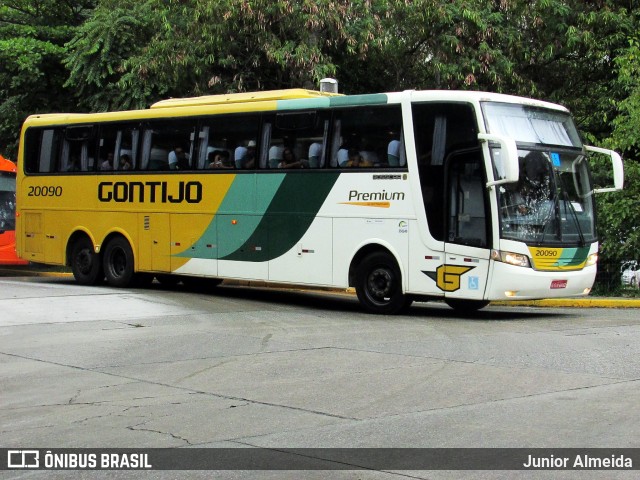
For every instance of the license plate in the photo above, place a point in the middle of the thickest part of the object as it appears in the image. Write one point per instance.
(558, 284)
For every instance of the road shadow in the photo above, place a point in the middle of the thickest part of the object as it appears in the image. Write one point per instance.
(332, 300)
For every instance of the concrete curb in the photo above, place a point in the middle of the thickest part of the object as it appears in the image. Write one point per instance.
(26, 272)
(590, 302)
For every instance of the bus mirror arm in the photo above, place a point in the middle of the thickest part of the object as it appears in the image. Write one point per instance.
(509, 158)
(618, 169)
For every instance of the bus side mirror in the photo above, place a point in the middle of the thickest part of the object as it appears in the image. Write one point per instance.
(505, 158)
(618, 169)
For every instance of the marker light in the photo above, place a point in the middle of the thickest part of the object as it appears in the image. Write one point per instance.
(510, 258)
(592, 259)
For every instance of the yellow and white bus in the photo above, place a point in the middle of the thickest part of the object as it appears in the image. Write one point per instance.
(462, 196)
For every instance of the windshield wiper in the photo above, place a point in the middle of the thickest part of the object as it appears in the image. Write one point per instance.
(553, 209)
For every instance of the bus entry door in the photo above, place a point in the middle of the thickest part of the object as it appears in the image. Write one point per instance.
(465, 271)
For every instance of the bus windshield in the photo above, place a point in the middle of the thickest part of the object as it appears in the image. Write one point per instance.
(552, 201)
(7, 202)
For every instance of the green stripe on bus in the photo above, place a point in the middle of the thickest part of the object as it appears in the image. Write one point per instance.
(303, 103)
(352, 100)
(287, 219)
(238, 216)
(573, 256)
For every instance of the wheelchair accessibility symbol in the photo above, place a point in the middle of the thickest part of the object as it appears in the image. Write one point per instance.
(474, 283)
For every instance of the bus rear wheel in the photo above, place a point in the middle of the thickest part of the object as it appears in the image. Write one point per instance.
(118, 263)
(378, 284)
(86, 264)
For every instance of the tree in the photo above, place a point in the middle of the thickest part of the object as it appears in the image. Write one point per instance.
(619, 214)
(430, 44)
(130, 53)
(33, 34)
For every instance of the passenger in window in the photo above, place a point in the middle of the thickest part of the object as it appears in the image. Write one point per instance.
(315, 154)
(226, 160)
(289, 160)
(178, 159)
(393, 153)
(245, 157)
(275, 156)
(369, 157)
(368, 154)
(74, 164)
(125, 162)
(107, 164)
(356, 160)
(220, 159)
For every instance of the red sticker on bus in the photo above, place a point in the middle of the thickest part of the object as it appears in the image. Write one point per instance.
(558, 284)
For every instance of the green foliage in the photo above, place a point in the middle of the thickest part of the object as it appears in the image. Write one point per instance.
(33, 34)
(434, 44)
(625, 133)
(619, 217)
(130, 54)
(100, 56)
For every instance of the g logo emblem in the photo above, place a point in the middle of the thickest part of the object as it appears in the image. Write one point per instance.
(447, 277)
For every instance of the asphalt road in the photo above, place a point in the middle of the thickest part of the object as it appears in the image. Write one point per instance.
(236, 367)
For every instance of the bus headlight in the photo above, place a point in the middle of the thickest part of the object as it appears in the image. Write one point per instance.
(511, 258)
(592, 259)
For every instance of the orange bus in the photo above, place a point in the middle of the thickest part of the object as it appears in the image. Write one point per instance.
(8, 255)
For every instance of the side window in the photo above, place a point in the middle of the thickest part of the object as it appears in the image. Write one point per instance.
(168, 145)
(118, 147)
(368, 137)
(442, 132)
(295, 140)
(229, 142)
(78, 149)
(42, 148)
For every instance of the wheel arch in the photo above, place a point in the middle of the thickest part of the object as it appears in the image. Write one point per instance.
(122, 233)
(365, 250)
(77, 234)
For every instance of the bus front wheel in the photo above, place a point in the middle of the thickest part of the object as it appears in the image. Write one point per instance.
(85, 263)
(378, 284)
(118, 263)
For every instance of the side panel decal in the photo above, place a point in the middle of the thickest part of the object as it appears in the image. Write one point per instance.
(260, 223)
(296, 203)
(555, 259)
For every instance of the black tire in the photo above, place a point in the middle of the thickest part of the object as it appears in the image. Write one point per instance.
(466, 306)
(378, 284)
(86, 264)
(119, 263)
